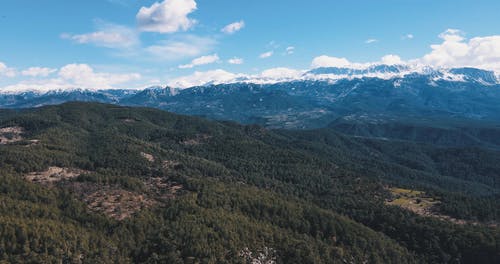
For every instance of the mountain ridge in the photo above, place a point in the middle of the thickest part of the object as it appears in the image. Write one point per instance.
(382, 71)
(461, 93)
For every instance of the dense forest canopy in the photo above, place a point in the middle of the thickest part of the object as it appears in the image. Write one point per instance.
(88, 182)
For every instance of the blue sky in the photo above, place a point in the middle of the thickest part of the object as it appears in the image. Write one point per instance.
(133, 43)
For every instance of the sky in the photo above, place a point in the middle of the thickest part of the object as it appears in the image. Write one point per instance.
(104, 44)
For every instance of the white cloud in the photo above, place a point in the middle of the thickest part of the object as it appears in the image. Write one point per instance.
(203, 60)
(266, 55)
(327, 61)
(181, 47)
(452, 35)
(233, 27)
(38, 71)
(75, 76)
(201, 78)
(109, 36)
(369, 41)
(6, 71)
(454, 51)
(281, 73)
(168, 16)
(391, 59)
(221, 76)
(457, 51)
(43, 85)
(235, 60)
(83, 76)
(408, 36)
(290, 50)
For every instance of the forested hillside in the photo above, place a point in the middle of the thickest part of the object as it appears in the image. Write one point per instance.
(96, 183)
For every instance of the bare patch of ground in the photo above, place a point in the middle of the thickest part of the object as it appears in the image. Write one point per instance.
(147, 156)
(265, 256)
(11, 134)
(14, 134)
(53, 175)
(117, 203)
(170, 164)
(32, 142)
(197, 140)
(110, 200)
(412, 200)
(422, 204)
(162, 189)
(14, 130)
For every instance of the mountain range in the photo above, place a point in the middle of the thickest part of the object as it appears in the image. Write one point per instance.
(313, 99)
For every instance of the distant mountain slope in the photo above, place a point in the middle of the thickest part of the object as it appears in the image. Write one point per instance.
(143, 185)
(37, 99)
(440, 132)
(314, 99)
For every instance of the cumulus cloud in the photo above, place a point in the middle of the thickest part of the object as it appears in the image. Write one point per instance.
(3, 67)
(38, 71)
(281, 73)
(235, 60)
(181, 47)
(7, 71)
(168, 16)
(202, 78)
(219, 76)
(233, 27)
(75, 76)
(266, 55)
(203, 60)
(109, 36)
(457, 51)
(327, 61)
(83, 76)
(290, 50)
(372, 40)
(391, 59)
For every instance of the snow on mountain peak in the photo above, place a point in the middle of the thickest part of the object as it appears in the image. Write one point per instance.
(380, 71)
(329, 74)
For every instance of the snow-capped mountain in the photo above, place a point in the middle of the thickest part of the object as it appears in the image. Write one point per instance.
(374, 69)
(310, 98)
(333, 74)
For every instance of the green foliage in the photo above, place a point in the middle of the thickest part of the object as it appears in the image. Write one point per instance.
(301, 196)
